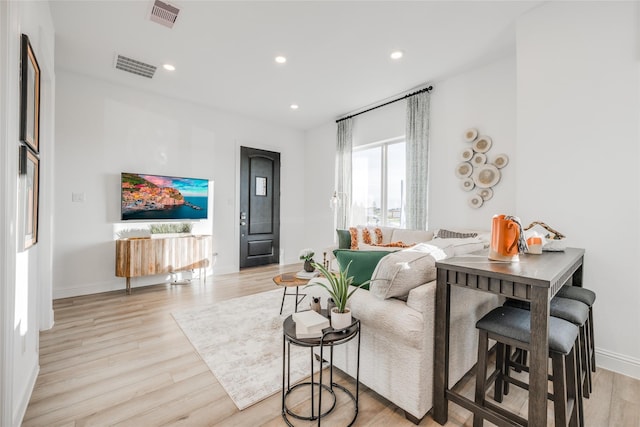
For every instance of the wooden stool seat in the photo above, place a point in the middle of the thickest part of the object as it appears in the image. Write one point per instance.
(511, 326)
(588, 297)
(577, 313)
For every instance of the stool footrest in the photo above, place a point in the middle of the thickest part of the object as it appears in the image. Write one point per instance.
(490, 415)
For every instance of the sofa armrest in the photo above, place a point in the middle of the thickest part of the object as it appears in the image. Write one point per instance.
(423, 297)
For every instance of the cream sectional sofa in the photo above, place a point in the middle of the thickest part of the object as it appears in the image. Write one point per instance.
(397, 336)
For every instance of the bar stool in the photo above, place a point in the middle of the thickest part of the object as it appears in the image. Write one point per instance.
(510, 326)
(588, 297)
(577, 313)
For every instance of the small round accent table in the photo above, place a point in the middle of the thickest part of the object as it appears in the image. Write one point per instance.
(330, 338)
(288, 280)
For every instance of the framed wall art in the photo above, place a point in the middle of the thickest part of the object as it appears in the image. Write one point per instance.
(30, 171)
(29, 96)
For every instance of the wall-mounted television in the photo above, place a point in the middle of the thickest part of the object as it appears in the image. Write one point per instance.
(156, 197)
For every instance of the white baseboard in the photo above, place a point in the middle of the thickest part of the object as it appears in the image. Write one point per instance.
(119, 283)
(619, 363)
(21, 407)
(49, 322)
(91, 288)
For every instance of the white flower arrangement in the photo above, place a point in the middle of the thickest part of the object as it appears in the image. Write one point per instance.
(307, 254)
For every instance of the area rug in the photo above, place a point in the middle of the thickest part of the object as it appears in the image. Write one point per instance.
(241, 342)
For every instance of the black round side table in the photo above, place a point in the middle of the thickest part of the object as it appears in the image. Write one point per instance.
(330, 338)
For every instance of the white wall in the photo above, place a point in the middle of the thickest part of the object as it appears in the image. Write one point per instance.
(104, 129)
(319, 159)
(578, 105)
(484, 99)
(26, 287)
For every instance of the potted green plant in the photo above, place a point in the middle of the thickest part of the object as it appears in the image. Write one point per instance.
(339, 289)
(307, 256)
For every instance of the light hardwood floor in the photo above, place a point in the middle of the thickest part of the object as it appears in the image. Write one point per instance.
(116, 359)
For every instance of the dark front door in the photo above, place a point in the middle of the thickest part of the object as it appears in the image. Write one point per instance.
(259, 207)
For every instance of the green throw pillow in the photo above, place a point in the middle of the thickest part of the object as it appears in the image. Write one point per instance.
(344, 239)
(363, 263)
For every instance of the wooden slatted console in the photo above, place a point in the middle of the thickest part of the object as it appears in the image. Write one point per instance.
(145, 257)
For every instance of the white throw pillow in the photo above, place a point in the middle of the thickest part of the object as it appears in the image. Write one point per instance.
(398, 273)
(410, 237)
(459, 246)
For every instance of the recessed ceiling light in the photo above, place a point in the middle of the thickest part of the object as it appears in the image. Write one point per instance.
(294, 106)
(397, 54)
(169, 67)
(281, 59)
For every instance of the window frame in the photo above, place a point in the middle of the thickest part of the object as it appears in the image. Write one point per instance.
(384, 145)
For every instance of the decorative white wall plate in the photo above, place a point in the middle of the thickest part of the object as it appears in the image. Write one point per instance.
(467, 184)
(470, 134)
(474, 171)
(501, 161)
(486, 194)
(478, 159)
(475, 201)
(464, 170)
(486, 176)
(482, 144)
(466, 154)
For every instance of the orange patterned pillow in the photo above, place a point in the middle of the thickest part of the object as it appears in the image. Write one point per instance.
(378, 236)
(354, 237)
(366, 236)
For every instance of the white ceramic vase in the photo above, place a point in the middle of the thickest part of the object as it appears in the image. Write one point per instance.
(340, 320)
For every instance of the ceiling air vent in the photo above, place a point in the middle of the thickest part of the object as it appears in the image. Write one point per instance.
(164, 14)
(136, 67)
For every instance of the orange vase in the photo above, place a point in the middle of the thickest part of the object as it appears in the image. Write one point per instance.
(504, 239)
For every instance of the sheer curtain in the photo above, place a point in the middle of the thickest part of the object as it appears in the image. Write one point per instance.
(344, 144)
(417, 154)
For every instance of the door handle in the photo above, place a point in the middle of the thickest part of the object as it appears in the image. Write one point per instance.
(243, 223)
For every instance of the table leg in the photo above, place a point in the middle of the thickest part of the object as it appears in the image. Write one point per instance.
(320, 390)
(283, 295)
(296, 309)
(576, 279)
(441, 349)
(284, 349)
(539, 355)
(319, 380)
(128, 285)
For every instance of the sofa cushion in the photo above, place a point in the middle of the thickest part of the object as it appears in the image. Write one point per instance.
(398, 273)
(344, 239)
(458, 246)
(363, 263)
(410, 237)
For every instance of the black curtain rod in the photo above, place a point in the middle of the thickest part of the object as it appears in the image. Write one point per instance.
(426, 89)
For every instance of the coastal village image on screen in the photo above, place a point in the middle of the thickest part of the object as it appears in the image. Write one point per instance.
(150, 197)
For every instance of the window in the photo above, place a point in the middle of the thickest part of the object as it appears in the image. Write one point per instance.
(378, 177)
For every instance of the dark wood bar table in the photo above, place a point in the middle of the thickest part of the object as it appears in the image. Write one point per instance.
(536, 278)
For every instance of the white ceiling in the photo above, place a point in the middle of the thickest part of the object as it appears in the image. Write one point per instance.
(337, 51)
